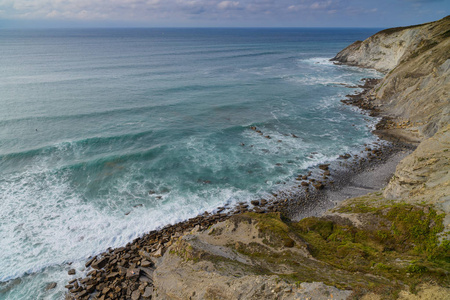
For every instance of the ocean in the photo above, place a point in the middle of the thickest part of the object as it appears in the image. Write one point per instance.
(106, 134)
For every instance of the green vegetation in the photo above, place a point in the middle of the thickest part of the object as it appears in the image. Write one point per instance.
(398, 246)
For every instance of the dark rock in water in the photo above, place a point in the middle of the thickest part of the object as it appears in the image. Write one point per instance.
(319, 186)
(89, 262)
(151, 192)
(345, 156)
(71, 272)
(50, 286)
(305, 183)
(324, 166)
(255, 202)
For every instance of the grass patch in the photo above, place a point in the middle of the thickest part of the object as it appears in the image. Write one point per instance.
(404, 232)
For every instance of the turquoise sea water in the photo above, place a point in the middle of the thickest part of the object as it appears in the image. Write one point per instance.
(107, 134)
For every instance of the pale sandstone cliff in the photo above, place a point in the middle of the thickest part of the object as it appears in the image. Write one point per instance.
(415, 93)
(417, 62)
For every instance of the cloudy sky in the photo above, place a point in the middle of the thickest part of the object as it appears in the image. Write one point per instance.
(220, 13)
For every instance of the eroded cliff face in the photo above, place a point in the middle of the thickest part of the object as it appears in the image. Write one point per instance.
(416, 87)
(415, 93)
(424, 176)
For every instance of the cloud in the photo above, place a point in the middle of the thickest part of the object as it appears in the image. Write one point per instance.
(228, 4)
(201, 12)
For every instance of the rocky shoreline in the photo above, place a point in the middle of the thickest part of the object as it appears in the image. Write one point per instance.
(126, 272)
(360, 248)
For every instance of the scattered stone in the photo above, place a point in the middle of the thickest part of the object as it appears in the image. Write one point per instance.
(135, 295)
(324, 166)
(318, 186)
(89, 262)
(255, 202)
(50, 286)
(71, 272)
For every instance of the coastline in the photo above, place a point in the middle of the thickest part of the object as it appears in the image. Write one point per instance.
(328, 185)
(341, 233)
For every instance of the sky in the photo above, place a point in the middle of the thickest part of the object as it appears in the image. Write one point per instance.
(219, 13)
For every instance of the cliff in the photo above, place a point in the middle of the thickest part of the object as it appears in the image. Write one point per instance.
(415, 96)
(415, 90)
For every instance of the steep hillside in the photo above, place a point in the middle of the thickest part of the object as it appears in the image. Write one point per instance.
(415, 97)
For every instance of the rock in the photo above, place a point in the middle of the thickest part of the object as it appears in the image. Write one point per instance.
(133, 273)
(99, 264)
(157, 253)
(305, 183)
(324, 166)
(148, 292)
(50, 286)
(89, 262)
(147, 271)
(255, 202)
(82, 294)
(345, 156)
(71, 272)
(318, 186)
(145, 263)
(145, 279)
(135, 295)
(90, 288)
